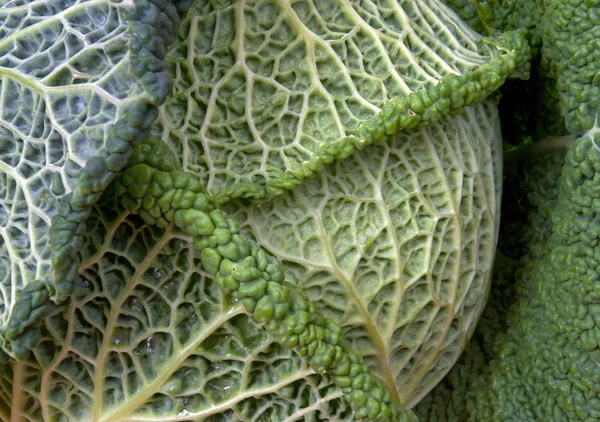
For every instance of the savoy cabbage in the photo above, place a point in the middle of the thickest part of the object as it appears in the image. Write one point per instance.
(280, 210)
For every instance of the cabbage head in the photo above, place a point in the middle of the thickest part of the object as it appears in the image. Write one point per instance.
(258, 210)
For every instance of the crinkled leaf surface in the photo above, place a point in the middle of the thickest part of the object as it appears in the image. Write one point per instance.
(259, 86)
(396, 243)
(64, 76)
(149, 337)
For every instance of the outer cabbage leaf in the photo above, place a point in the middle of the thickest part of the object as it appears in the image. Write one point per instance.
(261, 86)
(63, 78)
(72, 89)
(150, 337)
(397, 244)
(396, 241)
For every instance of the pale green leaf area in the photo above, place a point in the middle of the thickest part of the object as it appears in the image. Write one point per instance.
(397, 245)
(260, 86)
(395, 242)
(64, 75)
(149, 337)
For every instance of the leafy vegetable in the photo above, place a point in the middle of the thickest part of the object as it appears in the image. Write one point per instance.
(150, 336)
(71, 106)
(288, 210)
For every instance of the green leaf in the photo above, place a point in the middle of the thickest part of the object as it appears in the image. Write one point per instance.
(279, 102)
(396, 244)
(75, 95)
(149, 336)
(262, 87)
(63, 79)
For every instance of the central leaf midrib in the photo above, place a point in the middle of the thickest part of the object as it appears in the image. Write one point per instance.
(171, 365)
(384, 353)
(115, 311)
(374, 334)
(223, 406)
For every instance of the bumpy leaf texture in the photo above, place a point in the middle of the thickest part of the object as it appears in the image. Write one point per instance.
(67, 76)
(394, 242)
(543, 361)
(540, 358)
(150, 337)
(262, 86)
(397, 245)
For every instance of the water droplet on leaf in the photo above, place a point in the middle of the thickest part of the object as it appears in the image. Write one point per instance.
(150, 345)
